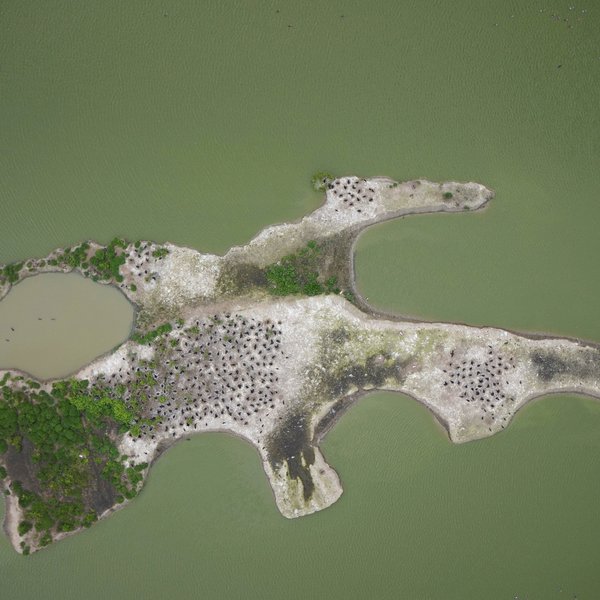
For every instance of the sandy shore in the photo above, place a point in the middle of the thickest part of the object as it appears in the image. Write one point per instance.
(12, 518)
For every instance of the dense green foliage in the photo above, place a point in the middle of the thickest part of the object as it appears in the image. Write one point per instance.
(150, 336)
(448, 195)
(95, 403)
(24, 527)
(320, 180)
(65, 437)
(76, 256)
(11, 272)
(107, 261)
(299, 274)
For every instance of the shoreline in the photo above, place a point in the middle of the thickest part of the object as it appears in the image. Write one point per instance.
(12, 512)
(226, 355)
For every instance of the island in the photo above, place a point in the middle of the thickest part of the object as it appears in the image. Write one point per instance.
(270, 342)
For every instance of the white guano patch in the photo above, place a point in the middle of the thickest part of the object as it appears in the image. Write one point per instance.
(117, 360)
(183, 276)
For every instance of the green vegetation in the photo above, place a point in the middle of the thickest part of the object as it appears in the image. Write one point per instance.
(24, 527)
(321, 180)
(11, 272)
(95, 403)
(150, 336)
(74, 257)
(160, 253)
(448, 195)
(3, 473)
(105, 263)
(65, 440)
(299, 274)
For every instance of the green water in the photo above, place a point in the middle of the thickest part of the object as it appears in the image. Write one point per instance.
(201, 123)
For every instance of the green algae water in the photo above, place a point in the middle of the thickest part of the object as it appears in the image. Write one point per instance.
(201, 123)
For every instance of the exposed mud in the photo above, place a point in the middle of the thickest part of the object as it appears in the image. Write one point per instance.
(291, 443)
(549, 364)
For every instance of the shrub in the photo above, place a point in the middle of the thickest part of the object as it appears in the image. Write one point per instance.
(295, 273)
(11, 272)
(89, 518)
(331, 285)
(107, 261)
(321, 180)
(299, 274)
(160, 253)
(150, 336)
(75, 257)
(24, 527)
(46, 539)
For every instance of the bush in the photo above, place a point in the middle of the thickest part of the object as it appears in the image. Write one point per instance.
(11, 272)
(24, 527)
(75, 257)
(107, 261)
(299, 274)
(160, 253)
(46, 539)
(89, 518)
(284, 278)
(448, 195)
(321, 180)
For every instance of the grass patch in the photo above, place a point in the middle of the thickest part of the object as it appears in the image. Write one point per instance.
(150, 336)
(299, 273)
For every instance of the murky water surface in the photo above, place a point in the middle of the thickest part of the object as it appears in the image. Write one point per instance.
(201, 123)
(53, 324)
